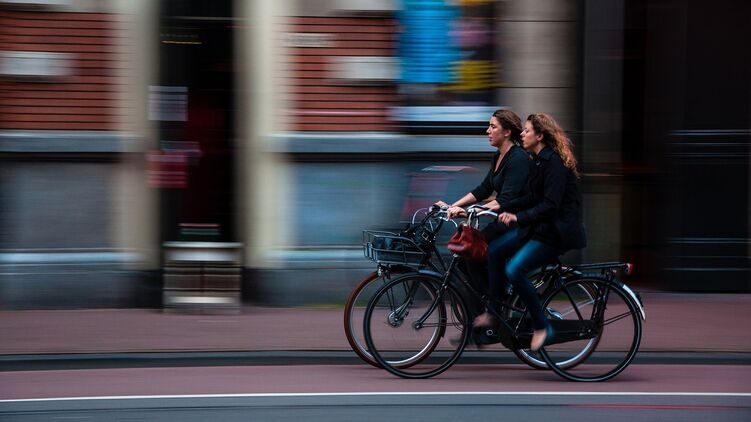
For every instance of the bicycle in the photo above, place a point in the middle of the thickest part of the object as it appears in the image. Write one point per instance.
(399, 253)
(395, 253)
(427, 313)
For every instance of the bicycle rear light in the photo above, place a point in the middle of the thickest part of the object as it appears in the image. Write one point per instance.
(629, 268)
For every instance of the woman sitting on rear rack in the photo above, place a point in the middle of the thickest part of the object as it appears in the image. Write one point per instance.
(506, 178)
(545, 222)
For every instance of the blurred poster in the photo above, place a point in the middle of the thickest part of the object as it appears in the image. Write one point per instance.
(167, 170)
(448, 64)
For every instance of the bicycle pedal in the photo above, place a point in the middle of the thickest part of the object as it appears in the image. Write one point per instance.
(487, 336)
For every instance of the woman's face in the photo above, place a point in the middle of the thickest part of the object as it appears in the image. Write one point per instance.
(496, 133)
(531, 140)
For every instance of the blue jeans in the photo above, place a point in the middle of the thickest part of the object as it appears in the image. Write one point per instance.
(510, 259)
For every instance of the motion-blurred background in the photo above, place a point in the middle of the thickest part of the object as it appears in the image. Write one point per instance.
(189, 153)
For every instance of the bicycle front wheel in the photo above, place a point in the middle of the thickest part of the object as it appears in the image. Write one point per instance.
(591, 307)
(414, 327)
(354, 309)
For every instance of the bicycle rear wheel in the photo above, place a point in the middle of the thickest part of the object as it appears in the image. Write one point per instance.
(568, 360)
(414, 328)
(610, 315)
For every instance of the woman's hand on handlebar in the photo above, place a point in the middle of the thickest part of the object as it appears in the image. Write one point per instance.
(451, 211)
(442, 205)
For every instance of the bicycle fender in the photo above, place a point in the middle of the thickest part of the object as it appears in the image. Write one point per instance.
(635, 297)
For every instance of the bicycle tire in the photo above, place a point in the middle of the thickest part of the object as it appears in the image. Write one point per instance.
(392, 329)
(354, 308)
(619, 327)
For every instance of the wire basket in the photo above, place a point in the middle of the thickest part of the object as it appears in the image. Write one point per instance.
(391, 248)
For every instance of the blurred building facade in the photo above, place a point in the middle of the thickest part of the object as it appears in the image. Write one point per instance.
(71, 125)
(216, 152)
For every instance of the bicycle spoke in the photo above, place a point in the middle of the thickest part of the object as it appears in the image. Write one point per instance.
(616, 318)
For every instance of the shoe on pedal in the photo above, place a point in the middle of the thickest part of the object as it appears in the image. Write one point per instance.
(541, 337)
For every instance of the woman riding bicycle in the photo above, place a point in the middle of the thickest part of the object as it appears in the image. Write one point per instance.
(545, 222)
(506, 177)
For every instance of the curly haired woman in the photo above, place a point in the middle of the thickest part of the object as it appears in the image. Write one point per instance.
(546, 222)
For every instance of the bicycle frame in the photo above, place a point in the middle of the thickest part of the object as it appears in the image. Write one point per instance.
(510, 336)
(513, 334)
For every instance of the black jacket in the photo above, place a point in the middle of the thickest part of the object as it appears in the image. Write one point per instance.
(551, 208)
(509, 181)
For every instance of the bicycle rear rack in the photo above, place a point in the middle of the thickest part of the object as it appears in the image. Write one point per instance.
(626, 267)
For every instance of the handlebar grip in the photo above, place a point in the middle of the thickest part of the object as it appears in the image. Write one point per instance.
(488, 212)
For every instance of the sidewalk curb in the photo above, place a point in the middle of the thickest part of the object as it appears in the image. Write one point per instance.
(41, 362)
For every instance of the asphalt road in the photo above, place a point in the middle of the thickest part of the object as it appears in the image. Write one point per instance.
(375, 407)
(358, 392)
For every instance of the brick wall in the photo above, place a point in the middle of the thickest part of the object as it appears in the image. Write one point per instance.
(84, 99)
(319, 102)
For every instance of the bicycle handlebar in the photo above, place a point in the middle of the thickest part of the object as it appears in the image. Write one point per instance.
(477, 210)
(473, 209)
(473, 212)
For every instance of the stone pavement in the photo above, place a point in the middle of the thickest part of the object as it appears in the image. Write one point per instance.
(678, 322)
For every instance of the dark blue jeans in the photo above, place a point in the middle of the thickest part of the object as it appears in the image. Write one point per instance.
(510, 259)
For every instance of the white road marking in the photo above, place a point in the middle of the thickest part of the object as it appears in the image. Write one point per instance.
(376, 394)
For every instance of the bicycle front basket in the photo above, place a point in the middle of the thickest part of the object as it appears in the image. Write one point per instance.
(391, 248)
